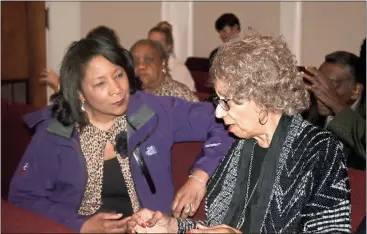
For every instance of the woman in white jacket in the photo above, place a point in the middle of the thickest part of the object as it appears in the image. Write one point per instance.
(179, 72)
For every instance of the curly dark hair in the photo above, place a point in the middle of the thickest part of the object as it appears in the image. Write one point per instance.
(67, 106)
(261, 69)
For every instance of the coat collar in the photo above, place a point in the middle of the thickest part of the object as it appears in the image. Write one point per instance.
(141, 118)
(34, 118)
(269, 168)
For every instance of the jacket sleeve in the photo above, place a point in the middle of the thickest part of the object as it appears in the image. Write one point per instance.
(184, 225)
(350, 128)
(33, 184)
(328, 209)
(196, 122)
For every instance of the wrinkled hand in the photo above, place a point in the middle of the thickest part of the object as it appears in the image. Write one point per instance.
(147, 221)
(215, 229)
(324, 90)
(50, 78)
(192, 192)
(105, 223)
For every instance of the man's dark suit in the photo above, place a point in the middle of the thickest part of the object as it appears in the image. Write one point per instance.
(350, 128)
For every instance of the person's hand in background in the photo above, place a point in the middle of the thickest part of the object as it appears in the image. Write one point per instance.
(50, 78)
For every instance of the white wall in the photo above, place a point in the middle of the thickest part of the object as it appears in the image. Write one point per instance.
(64, 28)
(331, 26)
(291, 26)
(130, 20)
(180, 16)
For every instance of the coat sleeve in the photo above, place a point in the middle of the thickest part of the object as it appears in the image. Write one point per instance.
(197, 122)
(33, 184)
(328, 209)
(350, 128)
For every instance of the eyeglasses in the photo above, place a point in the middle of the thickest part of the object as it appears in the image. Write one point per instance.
(222, 102)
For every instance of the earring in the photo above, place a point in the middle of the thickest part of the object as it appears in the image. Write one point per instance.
(164, 70)
(83, 108)
(267, 116)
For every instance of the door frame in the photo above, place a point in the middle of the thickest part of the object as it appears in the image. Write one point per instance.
(36, 29)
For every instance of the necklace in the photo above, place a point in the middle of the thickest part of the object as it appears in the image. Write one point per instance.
(248, 199)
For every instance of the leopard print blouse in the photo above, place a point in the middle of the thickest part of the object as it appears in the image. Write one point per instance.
(174, 88)
(93, 142)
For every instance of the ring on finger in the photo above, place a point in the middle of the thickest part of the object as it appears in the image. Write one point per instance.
(188, 208)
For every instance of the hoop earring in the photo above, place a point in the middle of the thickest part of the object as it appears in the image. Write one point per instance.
(267, 116)
(83, 108)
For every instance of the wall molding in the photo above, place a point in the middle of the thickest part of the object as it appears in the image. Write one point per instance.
(291, 26)
(62, 31)
(180, 16)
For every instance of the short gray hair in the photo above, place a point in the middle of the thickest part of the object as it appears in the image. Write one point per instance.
(261, 69)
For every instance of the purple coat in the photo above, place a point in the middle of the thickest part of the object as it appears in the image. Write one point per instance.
(51, 177)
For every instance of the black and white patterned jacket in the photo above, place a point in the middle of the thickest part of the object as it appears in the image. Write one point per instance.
(307, 192)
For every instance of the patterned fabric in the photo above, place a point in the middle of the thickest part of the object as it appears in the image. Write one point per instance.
(174, 88)
(93, 142)
(310, 193)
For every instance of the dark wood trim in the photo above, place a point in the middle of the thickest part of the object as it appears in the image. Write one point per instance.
(37, 51)
(25, 81)
(14, 41)
(10, 81)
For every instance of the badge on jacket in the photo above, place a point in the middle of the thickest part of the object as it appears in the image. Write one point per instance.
(151, 150)
(24, 168)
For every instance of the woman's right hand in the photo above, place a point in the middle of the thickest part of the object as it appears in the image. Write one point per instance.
(51, 79)
(105, 223)
(147, 221)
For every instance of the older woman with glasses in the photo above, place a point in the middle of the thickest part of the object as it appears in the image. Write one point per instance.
(282, 174)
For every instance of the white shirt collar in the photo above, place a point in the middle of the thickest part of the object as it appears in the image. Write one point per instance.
(354, 106)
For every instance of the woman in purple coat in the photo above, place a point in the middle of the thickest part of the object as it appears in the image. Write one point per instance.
(103, 149)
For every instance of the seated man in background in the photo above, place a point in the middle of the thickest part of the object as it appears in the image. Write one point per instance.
(228, 26)
(361, 71)
(340, 104)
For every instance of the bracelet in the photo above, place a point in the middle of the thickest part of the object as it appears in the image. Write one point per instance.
(197, 178)
(185, 225)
